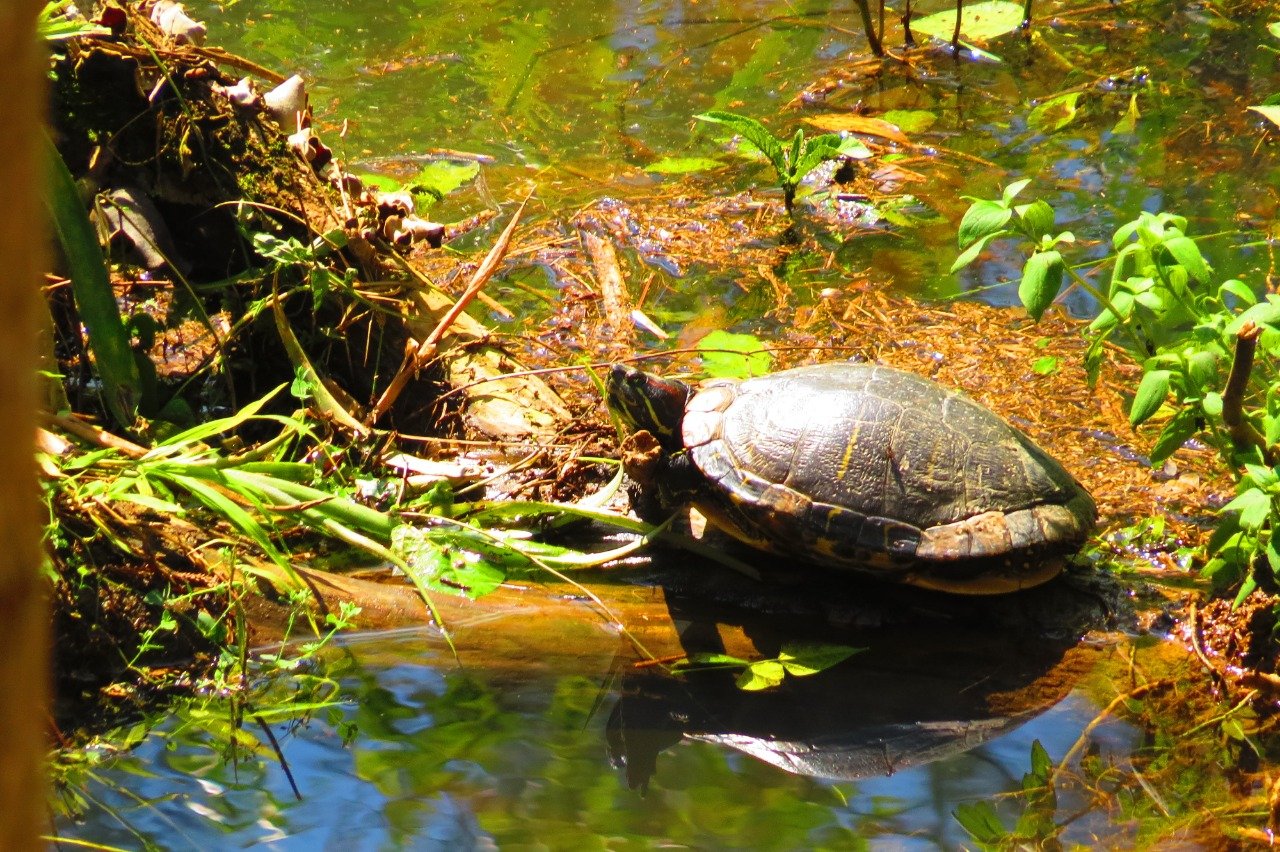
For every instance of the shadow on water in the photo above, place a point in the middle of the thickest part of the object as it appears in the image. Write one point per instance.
(517, 741)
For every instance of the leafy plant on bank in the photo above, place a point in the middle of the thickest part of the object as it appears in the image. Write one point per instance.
(791, 162)
(1195, 340)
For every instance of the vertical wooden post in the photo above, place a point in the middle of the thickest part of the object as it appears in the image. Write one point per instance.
(24, 623)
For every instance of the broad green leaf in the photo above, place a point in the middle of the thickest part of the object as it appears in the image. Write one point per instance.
(1037, 218)
(970, 254)
(978, 21)
(1128, 123)
(1264, 313)
(384, 183)
(1201, 371)
(734, 356)
(1271, 113)
(1274, 28)
(1212, 404)
(1253, 506)
(682, 165)
(802, 658)
(1122, 301)
(1239, 289)
(441, 177)
(1180, 429)
(1055, 113)
(981, 821)
(854, 148)
(1041, 281)
(113, 357)
(911, 120)
(1187, 253)
(982, 219)
(1013, 190)
(762, 675)
(445, 561)
(1046, 366)
(1041, 765)
(752, 131)
(1151, 394)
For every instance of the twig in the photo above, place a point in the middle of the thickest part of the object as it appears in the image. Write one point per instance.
(426, 350)
(94, 435)
(1243, 433)
(1116, 703)
(1198, 647)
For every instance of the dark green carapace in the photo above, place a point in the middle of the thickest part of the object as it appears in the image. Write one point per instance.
(867, 468)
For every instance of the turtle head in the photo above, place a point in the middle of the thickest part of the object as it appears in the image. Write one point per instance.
(646, 402)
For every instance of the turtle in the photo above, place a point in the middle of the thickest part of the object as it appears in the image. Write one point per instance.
(859, 467)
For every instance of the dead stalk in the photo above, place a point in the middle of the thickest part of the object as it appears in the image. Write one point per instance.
(427, 349)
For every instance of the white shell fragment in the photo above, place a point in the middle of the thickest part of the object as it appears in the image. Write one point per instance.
(287, 103)
(174, 22)
(308, 146)
(242, 94)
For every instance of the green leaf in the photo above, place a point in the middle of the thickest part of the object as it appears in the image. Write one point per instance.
(1041, 281)
(983, 219)
(764, 674)
(910, 121)
(1037, 218)
(1041, 765)
(682, 165)
(1128, 123)
(1274, 28)
(1239, 289)
(1151, 394)
(451, 560)
(1187, 253)
(1046, 366)
(113, 357)
(978, 21)
(1013, 190)
(981, 821)
(970, 254)
(802, 658)
(734, 356)
(752, 131)
(441, 177)
(1253, 506)
(1212, 404)
(1055, 113)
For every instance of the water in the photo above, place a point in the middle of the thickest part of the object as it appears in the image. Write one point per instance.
(574, 102)
(440, 757)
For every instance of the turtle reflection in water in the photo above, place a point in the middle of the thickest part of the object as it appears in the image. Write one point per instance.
(858, 467)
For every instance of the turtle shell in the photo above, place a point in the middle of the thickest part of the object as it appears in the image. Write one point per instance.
(872, 468)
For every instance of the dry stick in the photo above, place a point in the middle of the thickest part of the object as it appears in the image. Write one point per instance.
(1107, 711)
(416, 360)
(613, 292)
(1243, 433)
(94, 435)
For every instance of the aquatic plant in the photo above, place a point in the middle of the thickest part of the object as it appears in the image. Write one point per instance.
(791, 163)
(1195, 341)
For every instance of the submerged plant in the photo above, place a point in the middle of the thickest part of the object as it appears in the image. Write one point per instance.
(793, 162)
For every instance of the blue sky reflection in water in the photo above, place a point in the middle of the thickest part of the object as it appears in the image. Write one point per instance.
(456, 759)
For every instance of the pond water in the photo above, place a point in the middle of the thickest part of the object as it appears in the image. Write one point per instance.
(421, 753)
(580, 100)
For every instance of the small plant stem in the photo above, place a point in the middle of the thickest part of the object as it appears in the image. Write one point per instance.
(1243, 433)
(1097, 294)
(873, 39)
